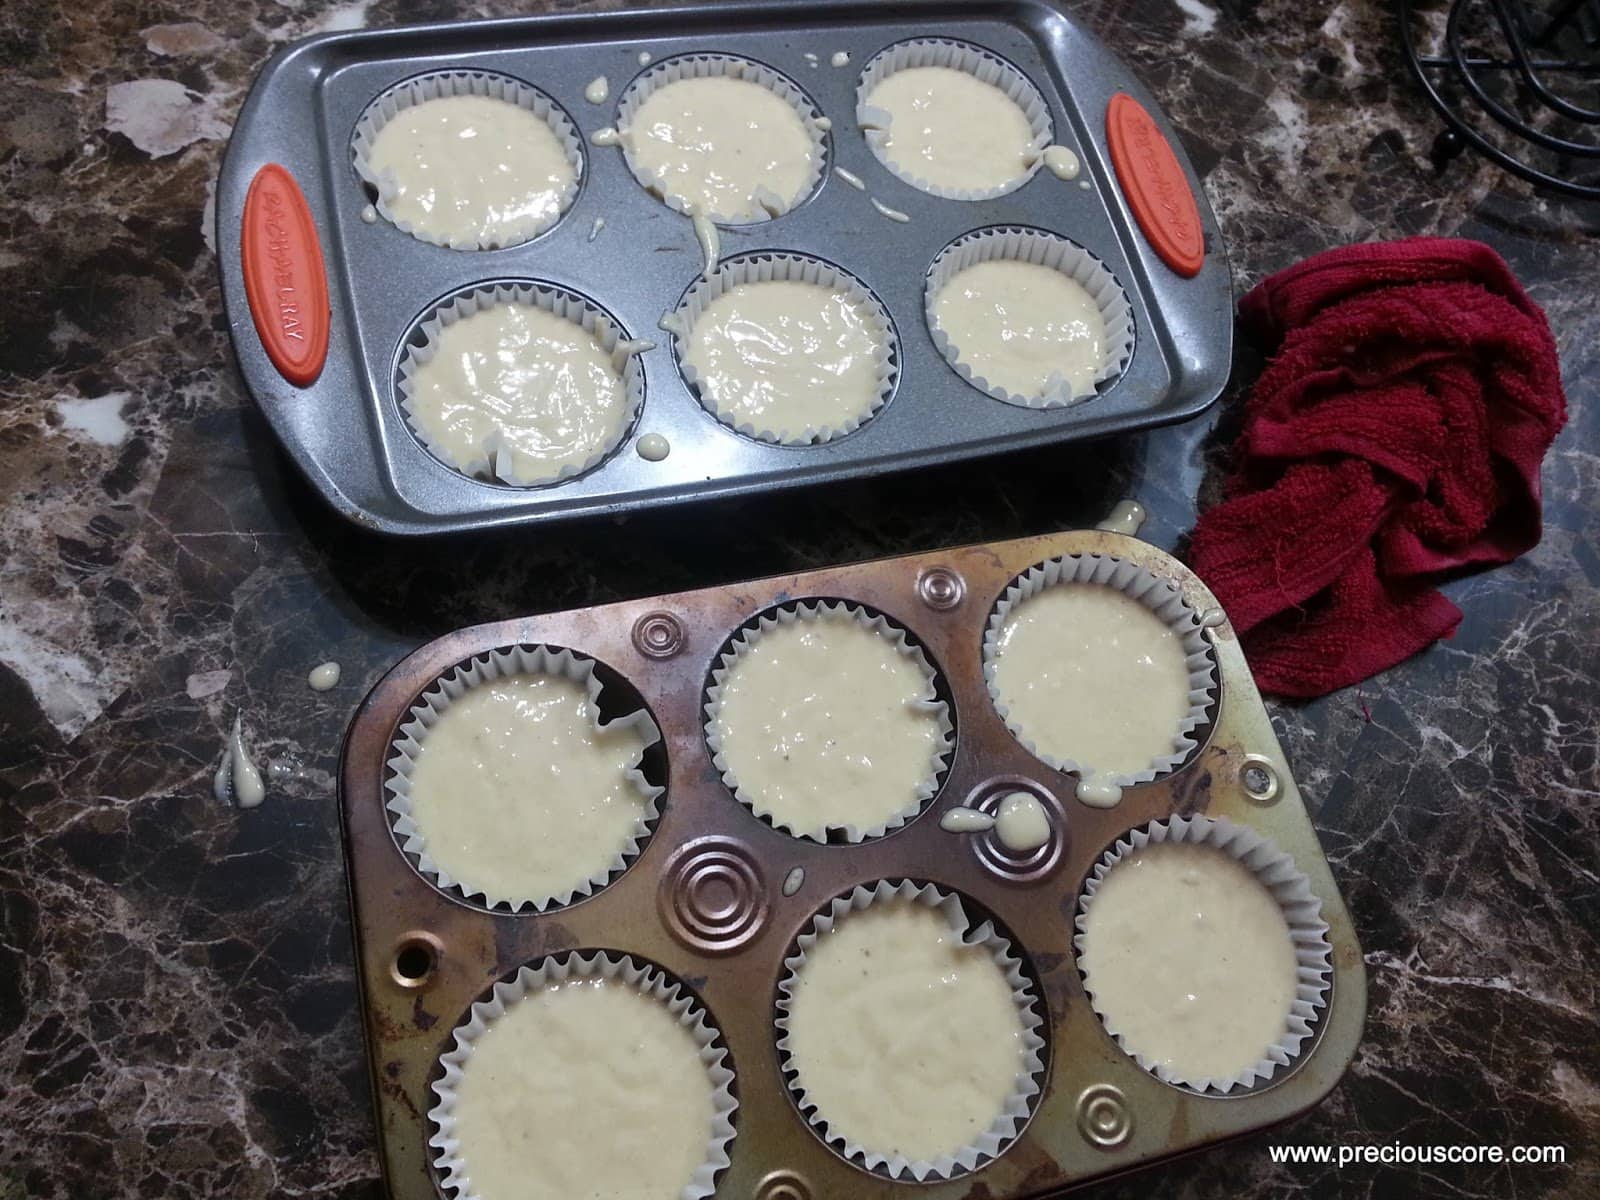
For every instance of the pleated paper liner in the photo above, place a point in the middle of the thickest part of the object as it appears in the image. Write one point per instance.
(982, 65)
(1016, 1109)
(440, 84)
(411, 742)
(1301, 909)
(1165, 601)
(765, 203)
(455, 1168)
(1037, 247)
(770, 267)
(876, 625)
(494, 460)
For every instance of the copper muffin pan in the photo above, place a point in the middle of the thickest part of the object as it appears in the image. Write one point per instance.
(705, 898)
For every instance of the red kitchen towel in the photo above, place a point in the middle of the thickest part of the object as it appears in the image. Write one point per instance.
(1393, 440)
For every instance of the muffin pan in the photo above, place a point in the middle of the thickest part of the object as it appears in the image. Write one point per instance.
(324, 294)
(718, 898)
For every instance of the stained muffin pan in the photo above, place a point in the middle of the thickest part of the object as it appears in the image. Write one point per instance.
(717, 897)
(320, 300)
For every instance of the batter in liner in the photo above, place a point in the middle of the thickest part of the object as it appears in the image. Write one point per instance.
(907, 1040)
(516, 792)
(725, 148)
(519, 392)
(1188, 958)
(1089, 674)
(1023, 327)
(950, 129)
(785, 357)
(825, 722)
(472, 169)
(584, 1088)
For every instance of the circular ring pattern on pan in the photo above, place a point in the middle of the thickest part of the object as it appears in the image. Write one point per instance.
(470, 433)
(759, 201)
(1104, 1117)
(1259, 777)
(713, 895)
(1034, 131)
(427, 223)
(1020, 865)
(658, 635)
(558, 691)
(852, 342)
(783, 1185)
(941, 588)
(1086, 277)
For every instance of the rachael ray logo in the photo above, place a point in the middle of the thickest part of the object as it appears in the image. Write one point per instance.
(1158, 176)
(284, 279)
(280, 253)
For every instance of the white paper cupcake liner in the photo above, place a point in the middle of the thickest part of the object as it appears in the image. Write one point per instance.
(766, 204)
(1021, 244)
(1161, 597)
(1302, 911)
(767, 267)
(425, 714)
(439, 84)
(455, 1171)
(1013, 1114)
(491, 461)
(958, 56)
(788, 614)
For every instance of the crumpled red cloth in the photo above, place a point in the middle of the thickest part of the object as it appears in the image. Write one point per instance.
(1392, 441)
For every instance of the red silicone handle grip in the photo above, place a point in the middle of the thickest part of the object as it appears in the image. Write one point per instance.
(284, 277)
(1157, 189)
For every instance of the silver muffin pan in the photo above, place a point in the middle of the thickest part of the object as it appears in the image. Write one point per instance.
(345, 429)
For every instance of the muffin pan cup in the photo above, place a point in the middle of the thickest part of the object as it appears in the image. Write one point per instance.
(455, 1169)
(785, 268)
(973, 931)
(956, 56)
(345, 428)
(765, 204)
(1041, 249)
(1167, 604)
(493, 461)
(443, 84)
(718, 898)
(1276, 872)
(933, 707)
(411, 740)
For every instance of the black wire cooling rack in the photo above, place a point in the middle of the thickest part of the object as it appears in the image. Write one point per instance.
(1515, 80)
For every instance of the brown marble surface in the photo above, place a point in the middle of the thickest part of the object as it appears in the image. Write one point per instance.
(177, 1006)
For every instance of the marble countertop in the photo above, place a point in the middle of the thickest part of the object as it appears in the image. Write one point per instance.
(177, 1003)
